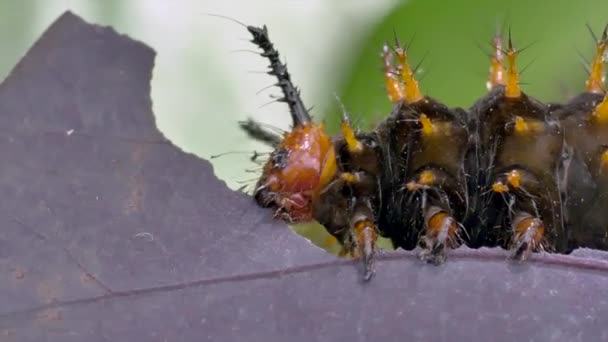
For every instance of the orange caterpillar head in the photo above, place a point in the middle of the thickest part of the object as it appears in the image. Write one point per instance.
(303, 160)
(301, 165)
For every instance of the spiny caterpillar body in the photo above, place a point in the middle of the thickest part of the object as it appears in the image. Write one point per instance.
(509, 171)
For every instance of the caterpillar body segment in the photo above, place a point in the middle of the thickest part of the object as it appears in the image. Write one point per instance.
(586, 201)
(426, 143)
(520, 166)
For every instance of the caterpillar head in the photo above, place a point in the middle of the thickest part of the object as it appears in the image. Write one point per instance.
(300, 166)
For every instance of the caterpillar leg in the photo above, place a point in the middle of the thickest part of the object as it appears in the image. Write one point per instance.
(528, 233)
(356, 192)
(362, 231)
(346, 210)
(437, 194)
(441, 231)
(525, 199)
(363, 234)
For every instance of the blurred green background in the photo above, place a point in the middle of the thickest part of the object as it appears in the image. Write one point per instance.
(205, 81)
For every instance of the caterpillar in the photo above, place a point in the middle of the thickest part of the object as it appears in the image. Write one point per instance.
(509, 171)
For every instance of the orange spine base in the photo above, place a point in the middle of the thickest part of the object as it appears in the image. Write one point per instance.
(512, 89)
(600, 113)
(497, 69)
(604, 163)
(597, 73)
(394, 88)
(412, 89)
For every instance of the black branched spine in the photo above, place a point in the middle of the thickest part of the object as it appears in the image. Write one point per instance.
(291, 94)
